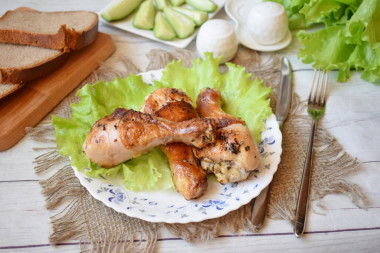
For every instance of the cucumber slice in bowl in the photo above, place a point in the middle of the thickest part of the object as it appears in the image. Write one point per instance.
(145, 15)
(182, 25)
(202, 5)
(161, 4)
(177, 2)
(162, 29)
(199, 17)
(119, 9)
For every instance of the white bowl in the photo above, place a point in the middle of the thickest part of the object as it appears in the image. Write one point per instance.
(267, 22)
(217, 36)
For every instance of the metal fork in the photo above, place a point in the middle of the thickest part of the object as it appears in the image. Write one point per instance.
(315, 108)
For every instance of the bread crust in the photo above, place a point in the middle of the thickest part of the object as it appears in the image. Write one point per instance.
(11, 88)
(65, 39)
(27, 74)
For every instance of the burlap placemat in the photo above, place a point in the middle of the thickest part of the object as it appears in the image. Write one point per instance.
(101, 229)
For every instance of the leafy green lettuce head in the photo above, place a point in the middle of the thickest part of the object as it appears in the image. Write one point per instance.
(242, 97)
(353, 45)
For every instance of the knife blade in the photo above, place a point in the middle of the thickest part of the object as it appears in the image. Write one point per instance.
(285, 94)
(282, 108)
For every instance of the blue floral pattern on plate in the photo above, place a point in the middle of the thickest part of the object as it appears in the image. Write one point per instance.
(171, 207)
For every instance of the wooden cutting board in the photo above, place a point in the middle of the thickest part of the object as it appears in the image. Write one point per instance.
(27, 106)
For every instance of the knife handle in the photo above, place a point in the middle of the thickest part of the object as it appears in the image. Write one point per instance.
(259, 209)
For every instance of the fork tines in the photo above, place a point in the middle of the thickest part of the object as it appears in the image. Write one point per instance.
(318, 95)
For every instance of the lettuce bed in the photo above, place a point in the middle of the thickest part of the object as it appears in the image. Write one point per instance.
(242, 96)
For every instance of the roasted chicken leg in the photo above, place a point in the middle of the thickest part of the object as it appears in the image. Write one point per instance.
(234, 154)
(188, 177)
(127, 134)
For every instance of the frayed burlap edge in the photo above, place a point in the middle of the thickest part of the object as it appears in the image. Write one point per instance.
(101, 229)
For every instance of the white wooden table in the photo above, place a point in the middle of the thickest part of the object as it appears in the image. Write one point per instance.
(352, 116)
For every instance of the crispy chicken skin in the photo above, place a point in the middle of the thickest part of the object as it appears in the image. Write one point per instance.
(188, 177)
(234, 154)
(127, 134)
(161, 97)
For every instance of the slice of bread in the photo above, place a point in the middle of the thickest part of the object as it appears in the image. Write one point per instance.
(7, 89)
(20, 64)
(66, 30)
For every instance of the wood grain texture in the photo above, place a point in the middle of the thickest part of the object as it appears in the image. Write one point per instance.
(352, 116)
(27, 106)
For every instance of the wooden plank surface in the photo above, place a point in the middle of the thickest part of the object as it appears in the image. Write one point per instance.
(352, 116)
(27, 106)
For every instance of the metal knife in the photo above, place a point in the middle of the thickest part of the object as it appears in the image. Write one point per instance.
(282, 108)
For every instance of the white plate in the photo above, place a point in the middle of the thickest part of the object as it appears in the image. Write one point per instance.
(126, 25)
(170, 206)
(238, 11)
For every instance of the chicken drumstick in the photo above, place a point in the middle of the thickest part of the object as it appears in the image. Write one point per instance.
(234, 154)
(188, 177)
(127, 134)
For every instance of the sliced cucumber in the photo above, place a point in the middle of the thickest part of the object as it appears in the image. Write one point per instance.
(199, 17)
(202, 5)
(162, 29)
(177, 2)
(145, 15)
(119, 9)
(161, 4)
(182, 25)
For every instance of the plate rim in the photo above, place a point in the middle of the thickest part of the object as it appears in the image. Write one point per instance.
(268, 48)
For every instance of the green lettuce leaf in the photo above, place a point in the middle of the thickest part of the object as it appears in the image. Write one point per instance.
(365, 24)
(329, 12)
(327, 49)
(242, 96)
(303, 14)
(353, 45)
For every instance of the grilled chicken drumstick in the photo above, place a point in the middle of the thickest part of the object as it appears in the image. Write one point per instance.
(127, 134)
(188, 177)
(234, 154)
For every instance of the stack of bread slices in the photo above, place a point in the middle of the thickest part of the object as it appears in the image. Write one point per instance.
(33, 44)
